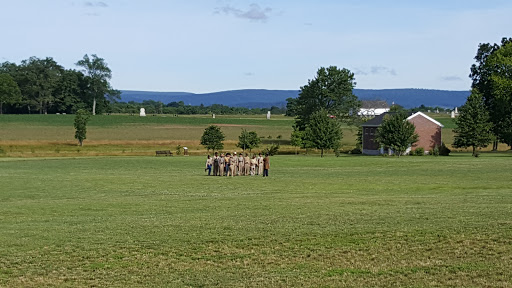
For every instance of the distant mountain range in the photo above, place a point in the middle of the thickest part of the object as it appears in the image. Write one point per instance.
(260, 98)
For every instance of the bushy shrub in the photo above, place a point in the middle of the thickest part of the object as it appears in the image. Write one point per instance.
(420, 151)
(434, 152)
(271, 150)
(444, 151)
(178, 150)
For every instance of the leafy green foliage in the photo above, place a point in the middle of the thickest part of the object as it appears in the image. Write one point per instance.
(492, 77)
(47, 87)
(271, 150)
(420, 151)
(98, 76)
(248, 140)
(397, 133)
(81, 119)
(331, 91)
(40, 78)
(323, 132)
(291, 106)
(212, 138)
(297, 139)
(434, 152)
(9, 91)
(473, 126)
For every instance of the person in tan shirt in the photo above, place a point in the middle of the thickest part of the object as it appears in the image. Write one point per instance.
(221, 165)
(260, 164)
(254, 162)
(240, 165)
(232, 165)
(247, 164)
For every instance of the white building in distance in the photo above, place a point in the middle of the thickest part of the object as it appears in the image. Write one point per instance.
(372, 108)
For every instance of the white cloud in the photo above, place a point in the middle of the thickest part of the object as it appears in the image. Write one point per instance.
(254, 13)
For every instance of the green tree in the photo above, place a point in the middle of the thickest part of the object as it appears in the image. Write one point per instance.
(98, 75)
(9, 91)
(330, 90)
(40, 78)
(397, 133)
(81, 119)
(323, 132)
(492, 75)
(297, 139)
(473, 126)
(291, 104)
(70, 92)
(248, 140)
(212, 138)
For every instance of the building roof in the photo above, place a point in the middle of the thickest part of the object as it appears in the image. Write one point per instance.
(375, 121)
(374, 104)
(425, 116)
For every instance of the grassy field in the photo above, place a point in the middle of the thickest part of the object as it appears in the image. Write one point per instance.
(53, 135)
(350, 221)
(124, 135)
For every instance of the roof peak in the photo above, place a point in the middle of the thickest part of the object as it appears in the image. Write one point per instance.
(425, 116)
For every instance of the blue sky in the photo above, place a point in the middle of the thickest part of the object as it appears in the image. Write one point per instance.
(206, 46)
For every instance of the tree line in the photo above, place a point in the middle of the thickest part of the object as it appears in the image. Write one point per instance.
(43, 86)
(179, 108)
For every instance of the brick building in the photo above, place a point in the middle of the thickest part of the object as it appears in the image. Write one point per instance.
(428, 130)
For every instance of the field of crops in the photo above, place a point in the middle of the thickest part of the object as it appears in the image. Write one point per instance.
(349, 221)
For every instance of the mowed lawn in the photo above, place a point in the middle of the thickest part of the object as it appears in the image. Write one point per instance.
(349, 221)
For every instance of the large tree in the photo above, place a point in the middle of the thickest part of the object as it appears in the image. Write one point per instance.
(40, 78)
(330, 90)
(323, 132)
(212, 138)
(473, 125)
(248, 140)
(492, 77)
(397, 133)
(98, 74)
(9, 91)
(70, 91)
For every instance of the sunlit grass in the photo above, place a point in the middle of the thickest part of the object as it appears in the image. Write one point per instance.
(348, 221)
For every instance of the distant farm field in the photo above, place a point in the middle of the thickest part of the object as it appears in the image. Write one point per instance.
(351, 221)
(53, 135)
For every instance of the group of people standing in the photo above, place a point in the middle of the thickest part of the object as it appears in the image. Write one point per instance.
(239, 165)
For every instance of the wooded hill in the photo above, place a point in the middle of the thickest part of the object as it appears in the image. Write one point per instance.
(260, 98)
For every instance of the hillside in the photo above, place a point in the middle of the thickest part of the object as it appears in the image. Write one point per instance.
(260, 98)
